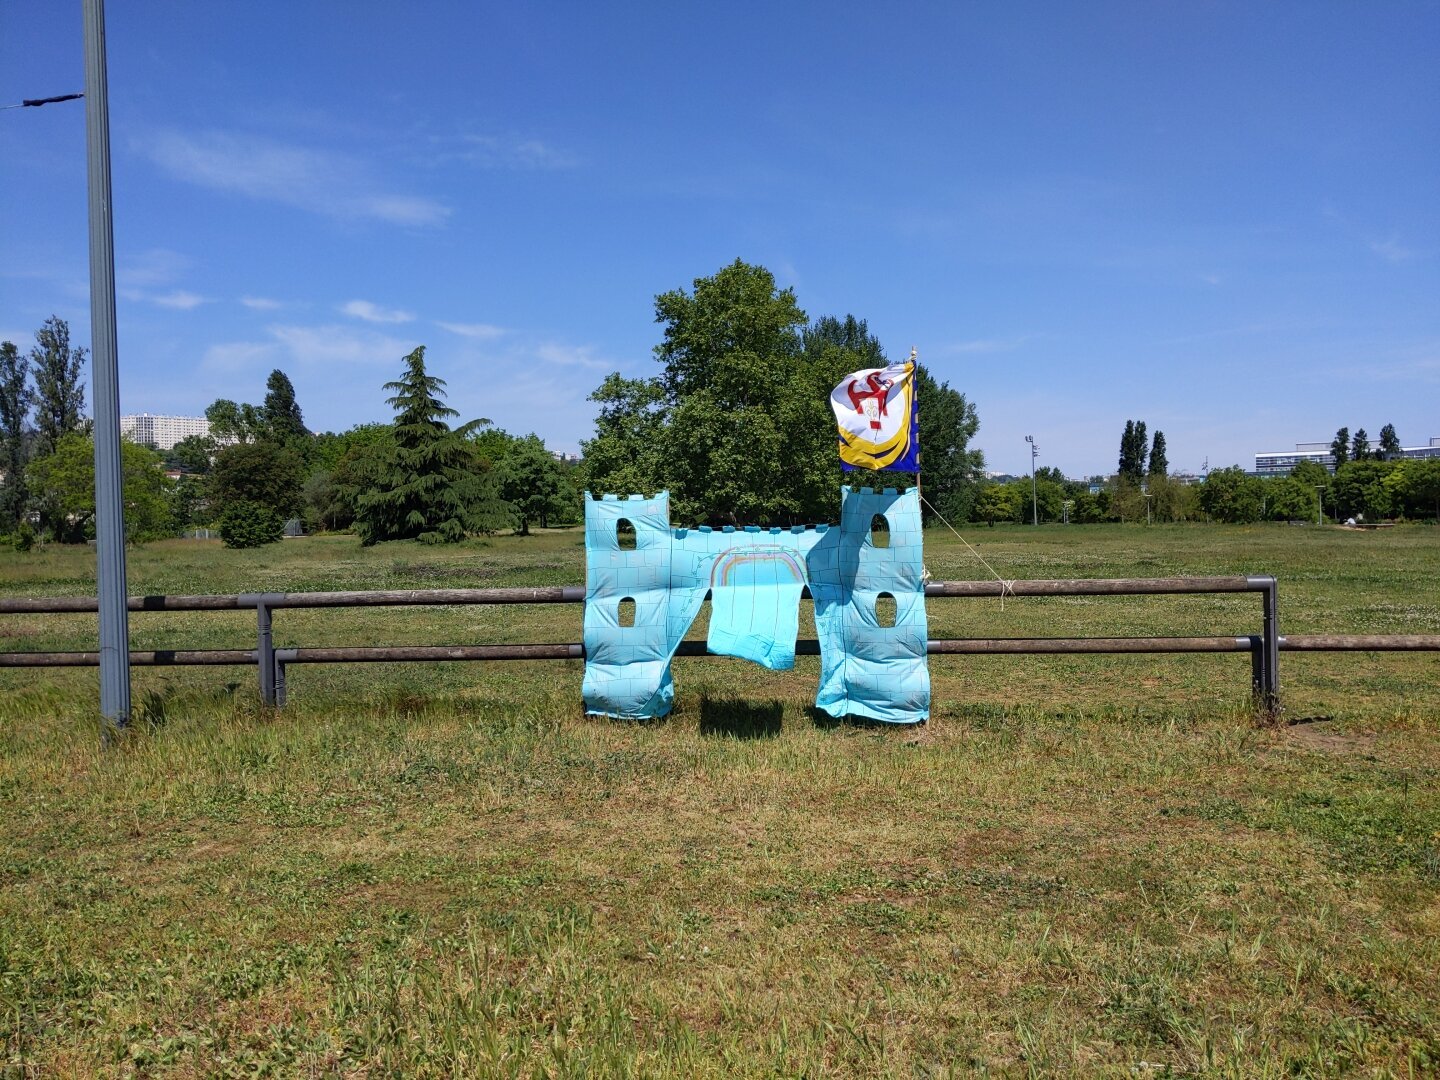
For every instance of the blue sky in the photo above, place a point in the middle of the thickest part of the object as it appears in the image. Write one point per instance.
(1221, 218)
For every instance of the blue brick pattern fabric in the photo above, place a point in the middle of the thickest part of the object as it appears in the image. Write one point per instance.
(867, 669)
(754, 578)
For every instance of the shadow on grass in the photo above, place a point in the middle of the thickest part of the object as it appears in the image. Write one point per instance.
(825, 722)
(740, 719)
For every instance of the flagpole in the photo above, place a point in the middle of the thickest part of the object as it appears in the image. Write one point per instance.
(914, 374)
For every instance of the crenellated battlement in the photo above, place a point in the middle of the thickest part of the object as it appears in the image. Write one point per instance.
(755, 575)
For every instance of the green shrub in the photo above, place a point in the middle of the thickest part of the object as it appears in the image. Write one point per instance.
(247, 524)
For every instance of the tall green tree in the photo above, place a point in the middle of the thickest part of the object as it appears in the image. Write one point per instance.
(628, 452)
(230, 420)
(1311, 473)
(264, 473)
(278, 418)
(531, 481)
(1389, 442)
(997, 502)
(62, 489)
(738, 426)
(739, 401)
(1415, 484)
(15, 398)
(59, 395)
(1359, 488)
(1159, 463)
(280, 414)
(1360, 446)
(1133, 445)
(716, 333)
(1340, 447)
(1232, 496)
(427, 488)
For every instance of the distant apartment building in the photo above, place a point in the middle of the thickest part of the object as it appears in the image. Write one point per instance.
(1282, 461)
(162, 432)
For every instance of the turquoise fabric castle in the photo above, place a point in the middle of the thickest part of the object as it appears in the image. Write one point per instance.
(754, 578)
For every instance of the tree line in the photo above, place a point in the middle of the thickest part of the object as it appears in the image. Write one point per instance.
(1373, 485)
(1345, 448)
(736, 425)
(414, 478)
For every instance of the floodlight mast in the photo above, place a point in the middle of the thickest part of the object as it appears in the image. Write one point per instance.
(105, 385)
(1034, 498)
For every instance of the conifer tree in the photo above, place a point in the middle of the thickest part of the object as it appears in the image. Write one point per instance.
(280, 413)
(59, 397)
(14, 408)
(1360, 446)
(1340, 447)
(1389, 443)
(427, 487)
(1159, 463)
(1133, 445)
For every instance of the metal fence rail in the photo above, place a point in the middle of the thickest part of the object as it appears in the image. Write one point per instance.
(1264, 648)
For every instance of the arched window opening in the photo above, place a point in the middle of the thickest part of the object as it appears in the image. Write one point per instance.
(625, 534)
(626, 617)
(886, 610)
(879, 531)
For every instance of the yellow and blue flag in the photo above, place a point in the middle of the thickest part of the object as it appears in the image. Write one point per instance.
(879, 419)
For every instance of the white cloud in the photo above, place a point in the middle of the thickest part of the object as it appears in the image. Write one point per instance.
(237, 356)
(569, 356)
(479, 331)
(151, 269)
(320, 181)
(504, 152)
(1211, 279)
(364, 309)
(175, 299)
(1391, 250)
(341, 347)
(179, 300)
(261, 303)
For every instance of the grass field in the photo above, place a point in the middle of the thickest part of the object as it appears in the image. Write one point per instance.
(1081, 864)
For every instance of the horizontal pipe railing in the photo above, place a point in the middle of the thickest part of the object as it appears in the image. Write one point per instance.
(271, 661)
(372, 654)
(574, 594)
(803, 647)
(1361, 643)
(138, 658)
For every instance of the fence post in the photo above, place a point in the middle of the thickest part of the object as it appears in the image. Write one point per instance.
(1268, 688)
(283, 659)
(264, 643)
(265, 652)
(1257, 666)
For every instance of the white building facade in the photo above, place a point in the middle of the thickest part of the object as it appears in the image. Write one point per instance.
(162, 432)
(1281, 462)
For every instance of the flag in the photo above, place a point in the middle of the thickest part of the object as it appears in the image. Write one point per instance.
(879, 419)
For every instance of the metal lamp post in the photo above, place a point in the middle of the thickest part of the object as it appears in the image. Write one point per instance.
(1034, 498)
(105, 380)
